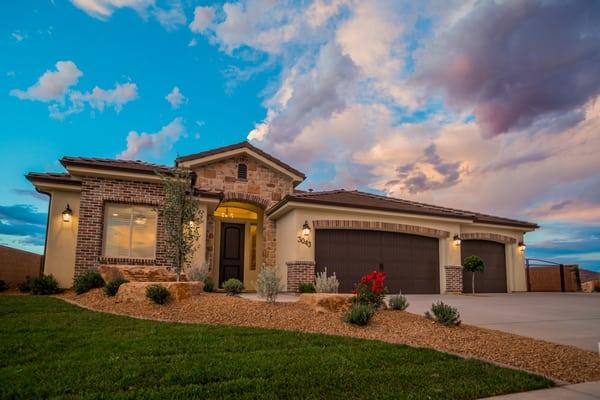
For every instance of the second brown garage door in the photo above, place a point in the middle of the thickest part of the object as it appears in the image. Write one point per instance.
(493, 277)
(410, 262)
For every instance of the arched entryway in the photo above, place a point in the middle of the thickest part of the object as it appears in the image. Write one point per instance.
(238, 241)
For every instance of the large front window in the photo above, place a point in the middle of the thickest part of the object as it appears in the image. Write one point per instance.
(129, 231)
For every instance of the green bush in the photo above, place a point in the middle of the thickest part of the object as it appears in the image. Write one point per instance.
(233, 286)
(268, 284)
(88, 280)
(359, 314)
(158, 294)
(112, 287)
(398, 302)
(307, 288)
(209, 284)
(3, 286)
(444, 314)
(44, 285)
(25, 286)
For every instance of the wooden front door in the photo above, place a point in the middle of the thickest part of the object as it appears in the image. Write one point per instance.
(232, 252)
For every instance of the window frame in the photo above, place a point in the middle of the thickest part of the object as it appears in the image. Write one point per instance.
(245, 178)
(105, 230)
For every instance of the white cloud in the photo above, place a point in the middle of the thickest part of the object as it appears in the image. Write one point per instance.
(55, 87)
(153, 143)
(193, 42)
(19, 36)
(103, 9)
(52, 85)
(175, 98)
(171, 18)
(203, 18)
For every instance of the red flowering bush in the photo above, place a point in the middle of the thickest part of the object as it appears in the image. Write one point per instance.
(370, 290)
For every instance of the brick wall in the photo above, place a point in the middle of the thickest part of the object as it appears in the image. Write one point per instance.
(454, 279)
(299, 272)
(95, 193)
(263, 188)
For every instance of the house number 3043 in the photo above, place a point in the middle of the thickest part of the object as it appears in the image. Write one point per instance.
(305, 242)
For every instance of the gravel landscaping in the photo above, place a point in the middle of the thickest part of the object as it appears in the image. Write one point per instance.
(563, 363)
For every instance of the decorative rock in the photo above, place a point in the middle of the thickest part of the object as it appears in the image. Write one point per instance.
(332, 302)
(139, 274)
(588, 287)
(136, 291)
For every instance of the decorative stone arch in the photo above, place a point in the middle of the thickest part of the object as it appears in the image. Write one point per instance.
(493, 237)
(380, 226)
(258, 201)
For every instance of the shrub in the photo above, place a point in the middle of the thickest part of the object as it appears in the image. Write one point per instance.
(359, 314)
(112, 287)
(44, 285)
(209, 284)
(326, 284)
(398, 302)
(88, 280)
(268, 284)
(198, 274)
(307, 287)
(233, 286)
(25, 286)
(370, 289)
(444, 314)
(158, 294)
(3, 286)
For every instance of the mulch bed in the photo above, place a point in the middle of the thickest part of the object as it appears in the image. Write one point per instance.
(559, 362)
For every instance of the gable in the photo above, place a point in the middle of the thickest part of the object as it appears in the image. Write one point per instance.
(243, 149)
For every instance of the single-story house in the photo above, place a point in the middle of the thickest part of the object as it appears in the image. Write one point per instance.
(104, 212)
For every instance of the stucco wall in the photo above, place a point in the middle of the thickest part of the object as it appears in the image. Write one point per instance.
(289, 227)
(62, 237)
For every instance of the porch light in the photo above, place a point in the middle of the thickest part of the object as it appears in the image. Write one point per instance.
(456, 240)
(306, 228)
(67, 214)
(522, 246)
(191, 223)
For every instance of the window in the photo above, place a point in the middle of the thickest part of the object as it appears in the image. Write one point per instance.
(129, 231)
(242, 171)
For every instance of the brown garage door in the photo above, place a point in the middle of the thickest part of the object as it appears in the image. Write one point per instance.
(410, 262)
(493, 277)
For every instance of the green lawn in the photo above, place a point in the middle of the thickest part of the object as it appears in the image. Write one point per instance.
(50, 349)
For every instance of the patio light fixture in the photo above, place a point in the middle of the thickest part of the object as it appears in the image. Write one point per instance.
(67, 214)
(522, 246)
(456, 240)
(306, 228)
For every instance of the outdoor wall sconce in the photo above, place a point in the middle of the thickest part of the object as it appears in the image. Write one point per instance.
(305, 233)
(67, 214)
(456, 240)
(522, 246)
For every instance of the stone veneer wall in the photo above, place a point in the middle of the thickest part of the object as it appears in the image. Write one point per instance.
(299, 272)
(95, 193)
(263, 188)
(454, 279)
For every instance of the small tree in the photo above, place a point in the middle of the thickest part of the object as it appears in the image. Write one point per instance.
(473, 264)
(182, 217)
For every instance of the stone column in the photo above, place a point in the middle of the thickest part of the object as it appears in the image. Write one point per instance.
(299, 272)
(454, 278)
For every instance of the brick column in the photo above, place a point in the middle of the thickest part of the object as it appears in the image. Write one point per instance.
(454, 279)
(299, 272)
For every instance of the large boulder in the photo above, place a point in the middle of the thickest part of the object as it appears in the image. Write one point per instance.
(330, 302)
(588, 287)
(136, 291)
(139, 273)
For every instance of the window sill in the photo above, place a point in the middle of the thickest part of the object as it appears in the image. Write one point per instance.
(127, 260)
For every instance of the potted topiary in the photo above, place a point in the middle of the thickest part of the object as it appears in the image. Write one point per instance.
(473, 264)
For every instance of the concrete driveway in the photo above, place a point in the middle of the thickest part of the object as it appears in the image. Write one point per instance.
(566, 318)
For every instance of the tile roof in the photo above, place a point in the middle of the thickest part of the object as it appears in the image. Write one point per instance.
(236, 146)
(356, 199)
(120, 165)
(52, 177)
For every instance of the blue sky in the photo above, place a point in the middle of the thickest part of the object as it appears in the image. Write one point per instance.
(390, 97)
